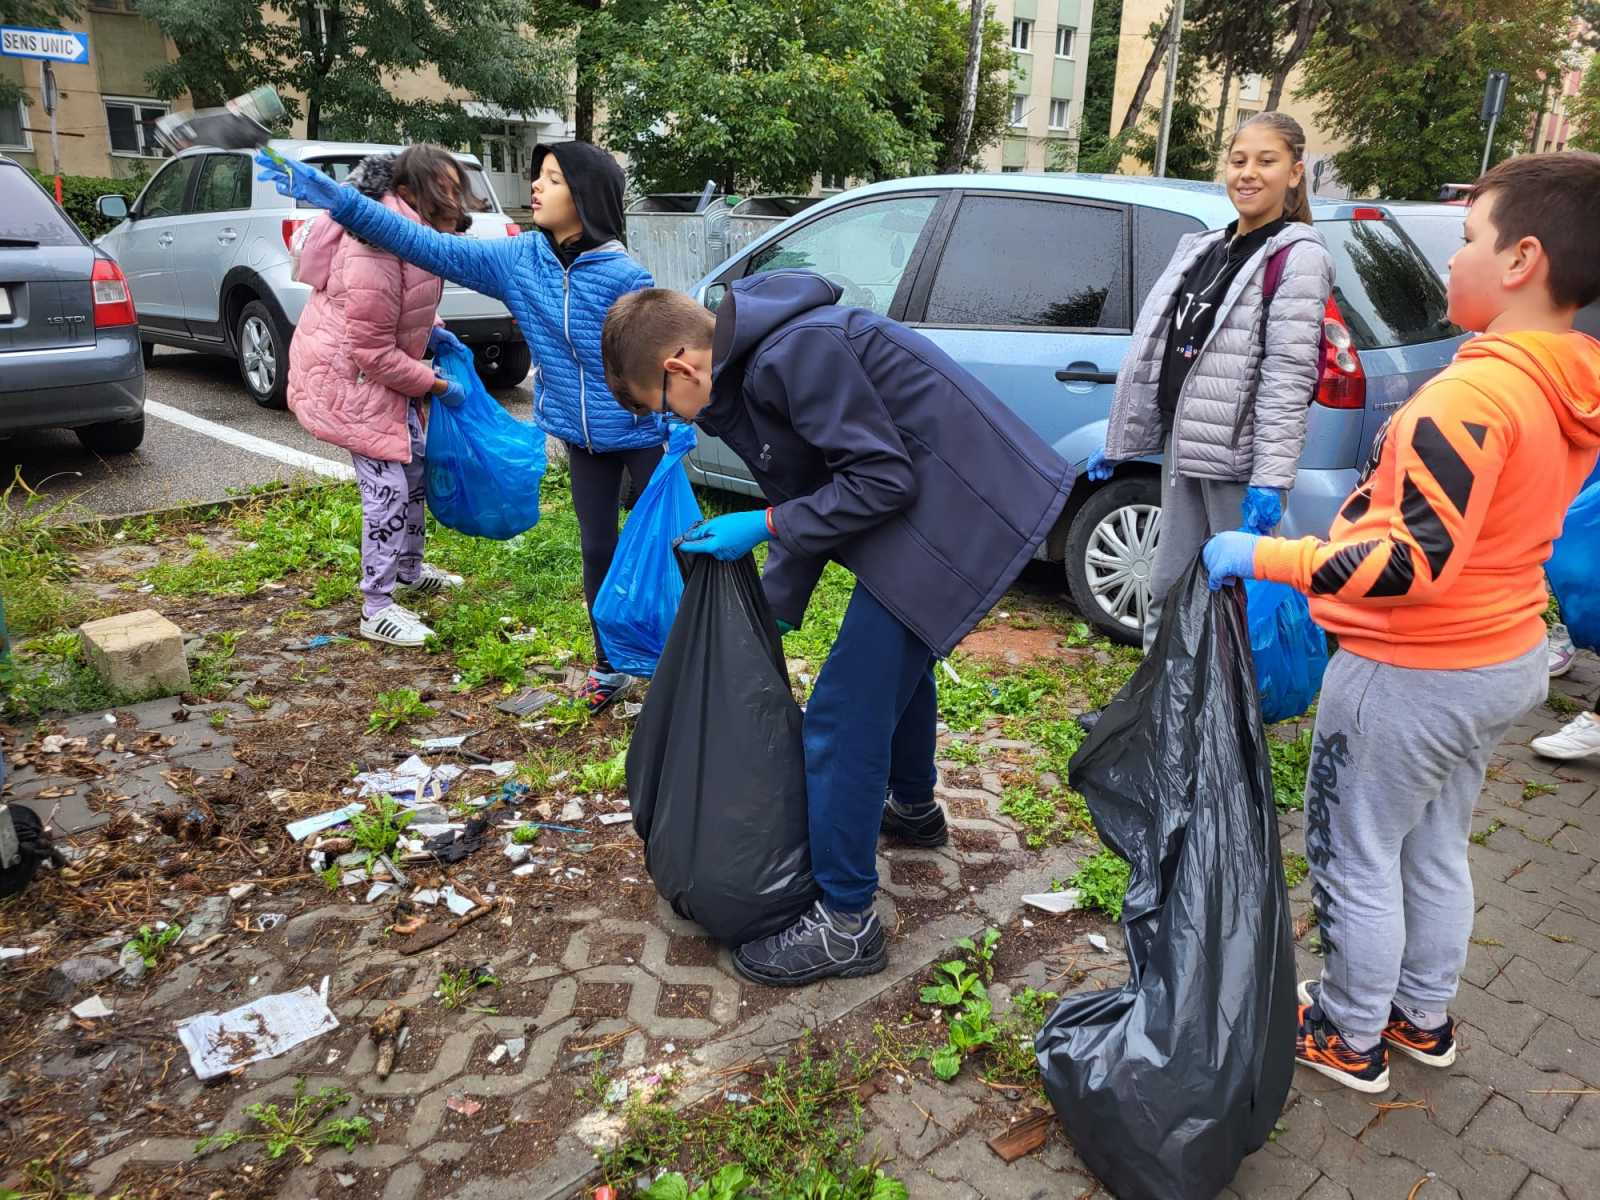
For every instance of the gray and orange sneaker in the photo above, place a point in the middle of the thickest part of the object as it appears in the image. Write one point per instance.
(1431, 1047)
(1318, 1044)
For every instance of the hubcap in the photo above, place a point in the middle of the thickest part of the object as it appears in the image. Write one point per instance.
(257, 354)
(1120, 560)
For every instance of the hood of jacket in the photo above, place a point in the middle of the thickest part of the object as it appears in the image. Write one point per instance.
(753, 310)
(597, 185)
(1565, 367)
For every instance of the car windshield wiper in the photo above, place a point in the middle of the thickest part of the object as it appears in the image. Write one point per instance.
(12, 241)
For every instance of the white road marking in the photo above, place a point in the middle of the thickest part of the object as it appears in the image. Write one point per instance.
(249, 441)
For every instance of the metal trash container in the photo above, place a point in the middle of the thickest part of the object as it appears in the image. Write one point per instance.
(675, 243)
(752, 219)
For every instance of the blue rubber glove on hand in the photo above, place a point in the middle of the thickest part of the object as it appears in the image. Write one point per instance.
(1099, 467)
(441, 338)
(727, 537)
(1262, 510)
(1230, 557)
(453, 394)
(300, 181)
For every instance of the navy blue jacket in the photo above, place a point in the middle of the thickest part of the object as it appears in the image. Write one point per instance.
(875, 449)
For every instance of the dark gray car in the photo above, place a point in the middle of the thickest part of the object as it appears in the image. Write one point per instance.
(69, 336)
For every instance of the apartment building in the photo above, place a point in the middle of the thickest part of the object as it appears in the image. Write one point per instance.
(1049, 60)
(1553, 126)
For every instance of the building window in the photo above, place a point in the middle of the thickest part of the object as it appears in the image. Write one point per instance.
(1243, 115)
(1019, 110)
(1021, 34)
(14, 127)
(1064, 37)
(1250, 89)
(116, 6)
(132, 124)
(1058, 114)
(834, 183)
(1010, 170)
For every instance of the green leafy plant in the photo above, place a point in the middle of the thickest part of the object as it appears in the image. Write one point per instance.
(330, 876)
(1290, 761)
(981, 952)
(1041, 820)
(218, 719)
(302, 1128)
(457, 986)
(379, 832)
(211, 674)
(1295, 869)
(152, 943)
(258, 702)
(608, 776)
(396, 708)
(967, 754)
(959, 982)
(1102, 881)
(525, 835)
(1532, 791)
(959, 989)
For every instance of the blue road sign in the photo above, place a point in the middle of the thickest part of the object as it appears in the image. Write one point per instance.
(54, 45)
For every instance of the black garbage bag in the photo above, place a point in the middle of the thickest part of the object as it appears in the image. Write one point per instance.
(1165, 1084)
(716, 771)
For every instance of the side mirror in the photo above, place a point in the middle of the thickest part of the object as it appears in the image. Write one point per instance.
(712, 295)
(113, 208)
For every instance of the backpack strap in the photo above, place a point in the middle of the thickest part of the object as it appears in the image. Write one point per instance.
(1270, 279)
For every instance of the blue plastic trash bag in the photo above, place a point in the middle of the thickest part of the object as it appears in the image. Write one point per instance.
(1571, 568)
(639, 599)
(484, 465)
(1290, 649)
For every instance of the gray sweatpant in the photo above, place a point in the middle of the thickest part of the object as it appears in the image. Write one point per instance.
(1397, 762)
(392, 497)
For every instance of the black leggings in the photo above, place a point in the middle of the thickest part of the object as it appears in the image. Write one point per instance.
(597, 499)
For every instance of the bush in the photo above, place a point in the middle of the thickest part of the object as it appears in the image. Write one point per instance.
(79, 193)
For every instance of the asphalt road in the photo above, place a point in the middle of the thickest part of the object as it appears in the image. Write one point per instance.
(205, 439)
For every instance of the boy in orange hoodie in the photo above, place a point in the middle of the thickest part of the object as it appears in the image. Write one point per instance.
(1432, 579)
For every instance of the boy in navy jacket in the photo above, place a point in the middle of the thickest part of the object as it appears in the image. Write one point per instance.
(875, 450)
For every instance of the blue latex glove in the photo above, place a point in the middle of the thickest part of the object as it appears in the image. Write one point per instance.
(441, 338)
(1230, 557)
(300, 181)
(453, 394)
(727, 537)
(1262, 510)
(1099, 468)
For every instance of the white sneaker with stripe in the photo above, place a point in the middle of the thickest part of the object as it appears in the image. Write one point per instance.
(430, 581)
(396, 625)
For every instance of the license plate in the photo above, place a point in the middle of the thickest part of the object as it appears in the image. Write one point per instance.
(5, 304)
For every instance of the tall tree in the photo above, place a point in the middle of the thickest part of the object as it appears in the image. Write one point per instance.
(956, 148)
(763, 97)
(334, 63)
(944, 79)
(1408, 108)
(595, 30)
(1304, 18)
(1099, 86)
(1584, 110)
(1234, 38)
(1159, 36)
(1190, 152)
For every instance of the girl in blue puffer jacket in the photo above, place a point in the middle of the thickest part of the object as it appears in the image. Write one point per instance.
(559, 284)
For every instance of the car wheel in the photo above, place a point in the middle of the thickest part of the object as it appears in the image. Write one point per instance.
(507, 369)
(1111, 552)
(113, 437)
(263, 351)
(147, 351)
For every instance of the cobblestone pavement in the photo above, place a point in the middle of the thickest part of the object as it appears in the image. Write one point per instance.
(1518, 1115)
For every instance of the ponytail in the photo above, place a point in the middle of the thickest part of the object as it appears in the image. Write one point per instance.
(1297, 201)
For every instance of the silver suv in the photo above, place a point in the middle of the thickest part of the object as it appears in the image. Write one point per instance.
(205, 248)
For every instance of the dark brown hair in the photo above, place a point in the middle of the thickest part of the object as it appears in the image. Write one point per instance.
(1297, 200)
(419, 170)
(1555, 198)
(643, 330)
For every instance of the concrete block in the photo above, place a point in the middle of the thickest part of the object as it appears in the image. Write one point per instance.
(136, 653)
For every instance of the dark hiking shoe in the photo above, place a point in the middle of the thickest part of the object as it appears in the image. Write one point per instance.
(822, 944)
(600, 692)
(922, 826)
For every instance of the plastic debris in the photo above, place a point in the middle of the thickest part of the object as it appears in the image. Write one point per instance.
(240, 890)
(572, 810)
(518, 852)
(1098, 941)
(305, 827)
(92, 1009)
(616, 818)
(412, 784)
(454, 742)
(527, 868)
(497, 1054)
(455, 902)
(617, 1092)
(460, 1104)
(425, 896)
(515, 1046)
(317, 642)
(221, 1042)
(378, 890)
(1054, 902)
(528, 702)
(17, 951)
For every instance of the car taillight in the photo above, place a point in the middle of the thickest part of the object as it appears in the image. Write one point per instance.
(1342, 383)
(513, 229)
(1368, 214)
(291, 226)
(113, 305)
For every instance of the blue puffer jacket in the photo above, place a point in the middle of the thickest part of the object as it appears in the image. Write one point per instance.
(560, 311)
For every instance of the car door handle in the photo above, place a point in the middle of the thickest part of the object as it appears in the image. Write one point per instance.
(164, 240)
(228, 235)
(1085, 374)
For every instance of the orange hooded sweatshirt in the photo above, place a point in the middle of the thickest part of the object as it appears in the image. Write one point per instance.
(1436, 559)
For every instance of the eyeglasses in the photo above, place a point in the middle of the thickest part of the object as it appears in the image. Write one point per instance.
(665, 377)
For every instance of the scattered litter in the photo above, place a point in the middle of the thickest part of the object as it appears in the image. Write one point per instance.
(498, 769)
(220, 1042)
(497, 1054)
(304, 828)
(517, 852)
(240, 890)
(17, 951)
(515, 1046)
(390, 1033)
(617, 1092)
(1054, 902)
(527, 702)
(92, 1009)
(1098, 941)
(1024, 1137)
(460, 1104)
(443, 743)
(669, 1048)
(425, 896)
(395, 873)
(572, 810)
(350, 878)
(378, 890)
(580, 848)
(109, 718)
(57, 743)
(528, 868)
(317, 642)
(615, 818)
(630, 709)
(455, 902)
(265, 921)
(455, 846)
(344, 1181)
(412, 784)
(1027, 924)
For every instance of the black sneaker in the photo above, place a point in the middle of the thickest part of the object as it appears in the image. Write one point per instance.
(820, 945)
(600, 692)
(923, 827)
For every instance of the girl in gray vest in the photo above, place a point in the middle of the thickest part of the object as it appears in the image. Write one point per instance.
(1213, 380)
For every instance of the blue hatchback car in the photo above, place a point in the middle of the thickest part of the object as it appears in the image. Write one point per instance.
(1033, 282)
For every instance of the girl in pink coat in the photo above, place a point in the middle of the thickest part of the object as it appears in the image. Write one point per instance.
(357, 377)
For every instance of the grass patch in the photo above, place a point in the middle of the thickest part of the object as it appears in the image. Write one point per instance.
(1531, 791)
(396, 708)
(35, 567)
(50, 674)
(1102, 881)
(1291, 759)
(607, 775)
(1563, 705)
(303, 1128)
(456, 987)
(211, 673)
(379, 832)
(1041, 820)
(1481, 838)
(1295, 869)
(151, 943)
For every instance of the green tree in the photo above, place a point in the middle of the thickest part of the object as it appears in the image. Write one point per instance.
(1584, 109)
(1410, 119)
(342, 57)
(1190, 147)
(1233, 38)
(596, 29)
(1099, 84)
(948, 22)
(762, 97)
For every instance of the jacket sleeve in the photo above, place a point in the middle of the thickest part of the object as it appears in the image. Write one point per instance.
(487, 267)
(1290, 361)
(1443, 457)
(789, 579)
(374, 296)
(815, 379)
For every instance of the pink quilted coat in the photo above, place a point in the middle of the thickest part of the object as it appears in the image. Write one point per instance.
(356, 358)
